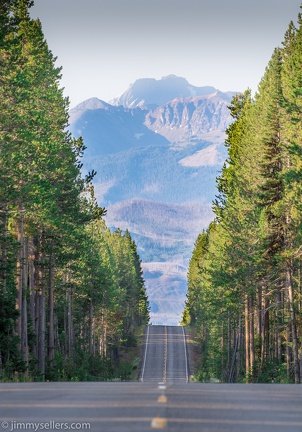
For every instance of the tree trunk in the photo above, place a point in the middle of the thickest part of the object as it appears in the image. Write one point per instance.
(235, 359)
(19, 280)
(4, 247)
(229, 342)
(70, 338)
(290, 288)
(90, 328)
(259, 313)
(24, 338)
(31, 281)
(251, 336)
(51, 334)
(24, 342)
(288, 352)
(41, 318)
(104, 336)
(263, 328)
(57, 339)
(279, 324)
(247, 337)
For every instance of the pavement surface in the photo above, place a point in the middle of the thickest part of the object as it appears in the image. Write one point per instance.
(165, 355)
(162, 400)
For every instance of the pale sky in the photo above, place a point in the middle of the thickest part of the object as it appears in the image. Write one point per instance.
(105, 45)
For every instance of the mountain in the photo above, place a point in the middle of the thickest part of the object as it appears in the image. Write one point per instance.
(150, 93)
(107, 129)
(157, 150)
(190, 119)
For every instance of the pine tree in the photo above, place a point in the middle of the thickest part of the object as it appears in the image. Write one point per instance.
(292, 168)
(253, 254)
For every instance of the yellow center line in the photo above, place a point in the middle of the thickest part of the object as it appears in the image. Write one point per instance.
(162, 399)
(159, 423)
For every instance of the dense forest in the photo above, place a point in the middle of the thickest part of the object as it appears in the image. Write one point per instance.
(244, 280)
(72, 293)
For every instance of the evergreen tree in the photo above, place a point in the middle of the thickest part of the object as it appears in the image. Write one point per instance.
(58, 264)
(250, 269)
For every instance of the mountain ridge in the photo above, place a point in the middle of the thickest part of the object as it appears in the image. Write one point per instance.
(149, 92)
(109, 129)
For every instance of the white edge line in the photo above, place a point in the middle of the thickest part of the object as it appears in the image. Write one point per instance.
(145, 357)
(166, 355)
(185, 346)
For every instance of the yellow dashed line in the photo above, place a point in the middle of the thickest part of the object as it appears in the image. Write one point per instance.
(159, 423)
(162, 399)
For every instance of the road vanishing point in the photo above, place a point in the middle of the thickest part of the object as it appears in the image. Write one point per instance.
(163, 399)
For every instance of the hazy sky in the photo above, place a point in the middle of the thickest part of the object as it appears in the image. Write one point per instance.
(104, 45)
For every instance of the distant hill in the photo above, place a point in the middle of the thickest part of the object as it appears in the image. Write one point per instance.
(165, 234)
(173, 227)
(163, 174)
(157, 150)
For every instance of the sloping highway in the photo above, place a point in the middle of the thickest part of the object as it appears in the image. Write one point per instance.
(162, 400)
(165, 355)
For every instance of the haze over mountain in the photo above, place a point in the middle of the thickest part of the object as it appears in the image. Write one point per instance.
(110, 129)
(157, 150)
(150, 93)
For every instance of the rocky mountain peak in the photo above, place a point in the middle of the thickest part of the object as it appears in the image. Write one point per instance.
(149, 93)
(188, 119)
(92, 104)
(87, 105)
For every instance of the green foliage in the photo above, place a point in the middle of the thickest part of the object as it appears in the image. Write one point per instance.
(81, 367)
(71, 291)
(244, 280)
(10, 355)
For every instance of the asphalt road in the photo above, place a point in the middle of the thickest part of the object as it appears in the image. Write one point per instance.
(165, 355)
(163, 401)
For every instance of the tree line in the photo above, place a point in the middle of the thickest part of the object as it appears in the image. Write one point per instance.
(71, 291)
(244, 279)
